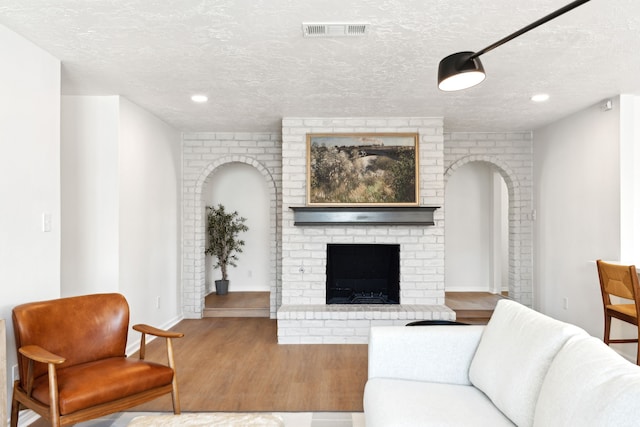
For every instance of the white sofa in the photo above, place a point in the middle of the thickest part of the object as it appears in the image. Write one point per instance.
(523, 368)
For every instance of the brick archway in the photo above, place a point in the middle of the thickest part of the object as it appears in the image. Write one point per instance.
(520, 242)
(193, 291)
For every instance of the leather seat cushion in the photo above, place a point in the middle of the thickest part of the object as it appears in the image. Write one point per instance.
(89, 384)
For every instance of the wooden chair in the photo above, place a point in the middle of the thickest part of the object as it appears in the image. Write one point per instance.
(620, 281)
(72, 361)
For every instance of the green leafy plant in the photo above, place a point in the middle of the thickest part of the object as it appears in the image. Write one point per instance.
(223, 229)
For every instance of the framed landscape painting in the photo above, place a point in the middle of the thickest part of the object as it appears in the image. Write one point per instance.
(362, 169)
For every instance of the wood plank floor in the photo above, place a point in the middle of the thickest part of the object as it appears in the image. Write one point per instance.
(237, 304)
(236, 364)
(472, 307)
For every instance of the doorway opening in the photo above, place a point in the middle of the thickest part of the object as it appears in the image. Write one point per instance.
(241, 187)
(477, 230)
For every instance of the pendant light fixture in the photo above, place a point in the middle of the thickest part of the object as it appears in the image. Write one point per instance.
(463, 70)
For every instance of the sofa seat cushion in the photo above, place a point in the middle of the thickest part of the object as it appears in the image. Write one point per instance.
(405, 403)
(589, 384)
(89, 384)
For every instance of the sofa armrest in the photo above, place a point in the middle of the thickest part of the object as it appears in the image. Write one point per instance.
(423, 353)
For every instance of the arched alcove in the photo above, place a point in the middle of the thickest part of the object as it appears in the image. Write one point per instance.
(520, 243)
(476, 230)
(242, 188)
(194, 217)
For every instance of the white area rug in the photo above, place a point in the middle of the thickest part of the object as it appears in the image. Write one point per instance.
(218, 419)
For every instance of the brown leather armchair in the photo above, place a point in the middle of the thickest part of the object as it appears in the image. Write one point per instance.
(72, 361)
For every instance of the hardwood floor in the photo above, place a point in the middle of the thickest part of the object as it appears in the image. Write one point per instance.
(470, 307)
(236, 364)
(474, 308)
(237, 304)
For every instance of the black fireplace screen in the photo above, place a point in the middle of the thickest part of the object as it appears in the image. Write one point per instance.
(363, 274)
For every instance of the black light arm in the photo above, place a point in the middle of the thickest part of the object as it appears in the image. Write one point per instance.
(463, 69)
(529, 27)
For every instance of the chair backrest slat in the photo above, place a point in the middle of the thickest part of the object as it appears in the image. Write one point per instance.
(618, 280)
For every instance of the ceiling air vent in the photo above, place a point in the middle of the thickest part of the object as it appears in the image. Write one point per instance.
(335, 29)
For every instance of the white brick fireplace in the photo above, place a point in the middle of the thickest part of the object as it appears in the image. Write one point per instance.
(298, 297)
(304, 316)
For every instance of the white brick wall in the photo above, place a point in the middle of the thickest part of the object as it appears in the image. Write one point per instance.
(304, 317)
(511, 154)
(202, 154)
(304, 248)
(343, 324)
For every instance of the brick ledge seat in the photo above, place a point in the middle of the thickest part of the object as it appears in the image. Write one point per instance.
(348, 324)
(366, 311)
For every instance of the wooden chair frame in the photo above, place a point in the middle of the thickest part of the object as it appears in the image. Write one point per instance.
(22, 398)
(620, 281)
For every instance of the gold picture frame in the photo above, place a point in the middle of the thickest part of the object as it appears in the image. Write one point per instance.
(362, 169)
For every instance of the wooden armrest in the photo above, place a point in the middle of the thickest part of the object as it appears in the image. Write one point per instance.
(39, 354)
(146, 329)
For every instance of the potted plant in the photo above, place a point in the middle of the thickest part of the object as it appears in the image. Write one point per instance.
(223, 229)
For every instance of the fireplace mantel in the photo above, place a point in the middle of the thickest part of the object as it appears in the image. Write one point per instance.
(363, 215)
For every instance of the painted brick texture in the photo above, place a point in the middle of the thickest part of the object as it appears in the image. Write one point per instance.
(298, 297)
(202, 154)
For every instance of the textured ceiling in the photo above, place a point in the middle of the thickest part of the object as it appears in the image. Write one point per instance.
(250, 58)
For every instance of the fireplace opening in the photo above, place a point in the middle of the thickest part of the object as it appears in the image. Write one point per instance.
(363, 274)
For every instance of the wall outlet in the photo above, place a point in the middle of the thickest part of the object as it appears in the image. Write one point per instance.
(14, 373)
(565, 303)
(46, 222)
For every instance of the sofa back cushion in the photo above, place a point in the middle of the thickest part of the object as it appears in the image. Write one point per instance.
(589, 384)
(514, 354)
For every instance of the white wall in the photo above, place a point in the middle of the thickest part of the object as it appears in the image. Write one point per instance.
(89, 176)
(242, 188)
(577, 201)
(149, 158)
(29, 177)
(630, 179)
(500, 234)
(121, 206)
(468, 229)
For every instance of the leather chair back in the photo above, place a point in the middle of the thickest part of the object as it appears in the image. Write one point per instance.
(99, 323)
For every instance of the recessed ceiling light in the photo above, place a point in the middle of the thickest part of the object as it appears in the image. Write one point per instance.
(199, 98)
(540, 97)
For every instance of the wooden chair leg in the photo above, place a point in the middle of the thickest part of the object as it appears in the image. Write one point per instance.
(607, 329)
(174, 384)
(15, 410)
(175, 399)
(638, 347)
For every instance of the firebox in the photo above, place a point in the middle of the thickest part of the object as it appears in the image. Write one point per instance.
(363, 274)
